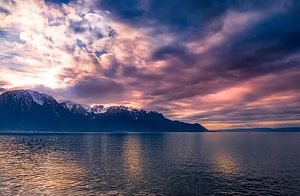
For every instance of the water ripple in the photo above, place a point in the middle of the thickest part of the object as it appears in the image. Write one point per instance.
(150, 164)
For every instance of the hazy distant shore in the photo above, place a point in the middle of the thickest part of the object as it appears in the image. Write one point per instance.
(281, 129)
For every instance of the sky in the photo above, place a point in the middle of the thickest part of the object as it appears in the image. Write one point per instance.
(221, 63)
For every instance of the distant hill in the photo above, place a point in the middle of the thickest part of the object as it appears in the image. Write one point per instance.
(30, 110)
(281, 129)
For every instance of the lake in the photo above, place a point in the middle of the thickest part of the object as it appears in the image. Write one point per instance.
(150, 164)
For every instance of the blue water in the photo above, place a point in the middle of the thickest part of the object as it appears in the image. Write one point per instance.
(150, 164)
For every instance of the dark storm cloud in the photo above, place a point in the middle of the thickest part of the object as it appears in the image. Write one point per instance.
(269, 46)
(190, 15)
(176, 14)
(4, 11)
(58, 1)
(78, 27)
(173, 51)
(264, 43)
(3, 34)
(7, 34)
(91, 87)
(262, 48)
(257, 50)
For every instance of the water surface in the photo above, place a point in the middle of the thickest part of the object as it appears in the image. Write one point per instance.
(150, 164)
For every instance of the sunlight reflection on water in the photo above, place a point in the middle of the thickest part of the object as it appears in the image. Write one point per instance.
(226, 164)
(39, 171)
(132, 156)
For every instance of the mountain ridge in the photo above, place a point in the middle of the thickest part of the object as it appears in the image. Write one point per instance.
(31, 110)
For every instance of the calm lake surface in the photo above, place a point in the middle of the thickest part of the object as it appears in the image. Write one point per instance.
(150, 164)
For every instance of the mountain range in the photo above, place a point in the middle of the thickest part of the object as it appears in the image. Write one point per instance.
(30, 110)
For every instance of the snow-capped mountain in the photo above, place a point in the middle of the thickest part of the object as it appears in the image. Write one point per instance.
(28, 97)
(31, 110)
(75, 108)
(28, 101)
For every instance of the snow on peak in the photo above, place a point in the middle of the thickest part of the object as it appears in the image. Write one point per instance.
(97, 109)
(37, 97)
(30, 95)
(75, 107)
(68, 105)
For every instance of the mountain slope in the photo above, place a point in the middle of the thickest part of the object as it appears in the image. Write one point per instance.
(31, 110)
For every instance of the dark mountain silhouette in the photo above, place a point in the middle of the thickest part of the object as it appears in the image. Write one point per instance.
(31, 110)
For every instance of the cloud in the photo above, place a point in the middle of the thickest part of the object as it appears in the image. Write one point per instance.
(264, 99)
(4, 11)
(97, 88)
(3, 85)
